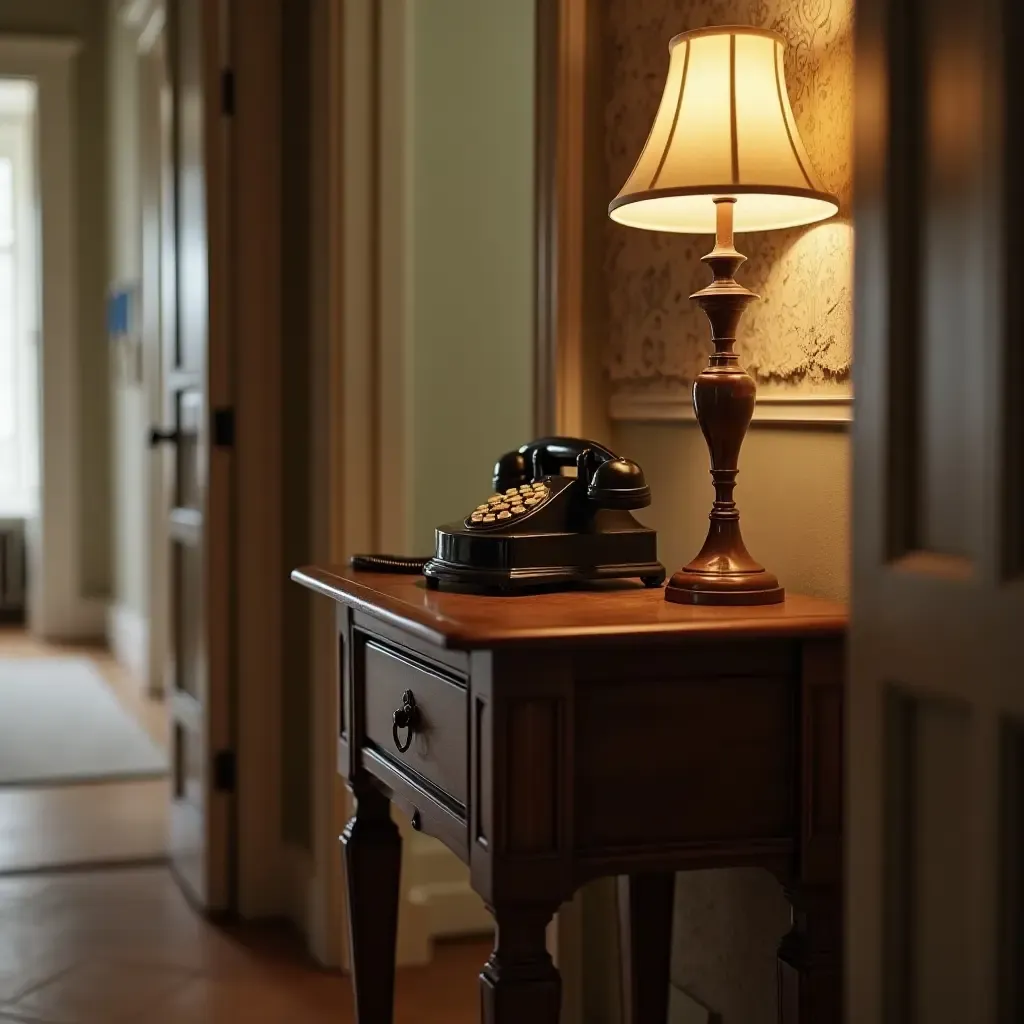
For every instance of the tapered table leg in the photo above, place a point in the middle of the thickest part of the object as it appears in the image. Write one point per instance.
(519, 983)
(373, 863)
(645, 928)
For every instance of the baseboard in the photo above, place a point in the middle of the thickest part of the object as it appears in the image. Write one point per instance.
(128, 639)
(437, 886)
(85, 619)
(437, 901)
(452, 910)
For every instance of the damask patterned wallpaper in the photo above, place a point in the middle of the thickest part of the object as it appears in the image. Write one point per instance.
(799, 337)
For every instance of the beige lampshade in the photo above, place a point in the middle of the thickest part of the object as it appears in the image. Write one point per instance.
(724, 128)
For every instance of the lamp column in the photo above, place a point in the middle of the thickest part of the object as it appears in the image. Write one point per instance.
(723, 399)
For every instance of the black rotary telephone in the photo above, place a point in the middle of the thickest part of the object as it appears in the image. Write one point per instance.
(542, 529)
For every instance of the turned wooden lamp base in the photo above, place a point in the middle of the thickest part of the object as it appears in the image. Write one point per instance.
(723, 400)
(690, 587)
(724, 572)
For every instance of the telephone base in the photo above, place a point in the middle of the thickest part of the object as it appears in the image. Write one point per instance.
(511, 581)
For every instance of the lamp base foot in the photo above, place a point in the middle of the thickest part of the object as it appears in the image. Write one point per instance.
(732, 588)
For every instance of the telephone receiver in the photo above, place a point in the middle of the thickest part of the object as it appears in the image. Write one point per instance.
(610, 481)
(543, 528)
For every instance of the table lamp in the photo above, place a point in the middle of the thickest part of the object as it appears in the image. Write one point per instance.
(723, 155)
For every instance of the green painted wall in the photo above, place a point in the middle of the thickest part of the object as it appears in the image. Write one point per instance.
(471, 96)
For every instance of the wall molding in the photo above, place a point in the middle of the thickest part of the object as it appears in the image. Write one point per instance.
(451, 909)
(791, 410)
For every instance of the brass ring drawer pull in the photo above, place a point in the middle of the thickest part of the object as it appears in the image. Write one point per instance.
(406, 717)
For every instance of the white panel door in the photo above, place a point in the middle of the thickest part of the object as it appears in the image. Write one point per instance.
(199, 470)
(935, 751)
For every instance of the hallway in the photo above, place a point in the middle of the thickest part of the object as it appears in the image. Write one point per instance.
(46, 827)
(123, 947)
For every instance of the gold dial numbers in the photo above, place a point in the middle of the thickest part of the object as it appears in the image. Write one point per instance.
(516, 501)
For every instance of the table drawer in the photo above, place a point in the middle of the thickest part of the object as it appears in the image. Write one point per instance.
(438, 746)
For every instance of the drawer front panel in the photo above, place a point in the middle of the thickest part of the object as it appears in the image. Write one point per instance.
(438, 750)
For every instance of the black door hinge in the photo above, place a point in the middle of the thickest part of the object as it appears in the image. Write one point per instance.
(224, 771)
(227, 92)
(224, 428)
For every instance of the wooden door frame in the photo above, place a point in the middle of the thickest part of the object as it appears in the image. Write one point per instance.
(252, 151)
(342, 410)
(344, 471)
(146, 21)
(355, 417)
(570, 389)
(559, 106)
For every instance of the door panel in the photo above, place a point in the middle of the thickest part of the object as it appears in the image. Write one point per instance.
(937, 668)
(198, 498)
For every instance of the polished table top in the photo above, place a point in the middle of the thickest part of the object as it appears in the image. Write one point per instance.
(611, 612)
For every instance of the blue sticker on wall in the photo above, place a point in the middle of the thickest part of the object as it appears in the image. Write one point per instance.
(119, 313)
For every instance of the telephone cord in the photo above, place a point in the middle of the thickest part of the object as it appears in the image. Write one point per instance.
(388, 563)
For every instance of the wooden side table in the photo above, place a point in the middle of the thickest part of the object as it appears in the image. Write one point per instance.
(552, 739)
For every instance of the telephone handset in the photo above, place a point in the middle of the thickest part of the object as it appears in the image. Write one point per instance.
(541, 528)
(610, 482)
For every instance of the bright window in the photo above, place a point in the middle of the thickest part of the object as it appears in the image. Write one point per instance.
(19, 301)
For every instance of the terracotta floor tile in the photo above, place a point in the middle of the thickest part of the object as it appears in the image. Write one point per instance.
(124, 947)
(94, 824)
(101, 992)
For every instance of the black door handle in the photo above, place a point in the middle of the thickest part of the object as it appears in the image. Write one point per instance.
(158, 436)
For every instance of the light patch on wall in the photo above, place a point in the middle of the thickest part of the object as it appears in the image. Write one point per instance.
(17, 97)
(799, 337)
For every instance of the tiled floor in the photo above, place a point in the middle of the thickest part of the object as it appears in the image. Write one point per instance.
(123, 947)
(114, 821)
